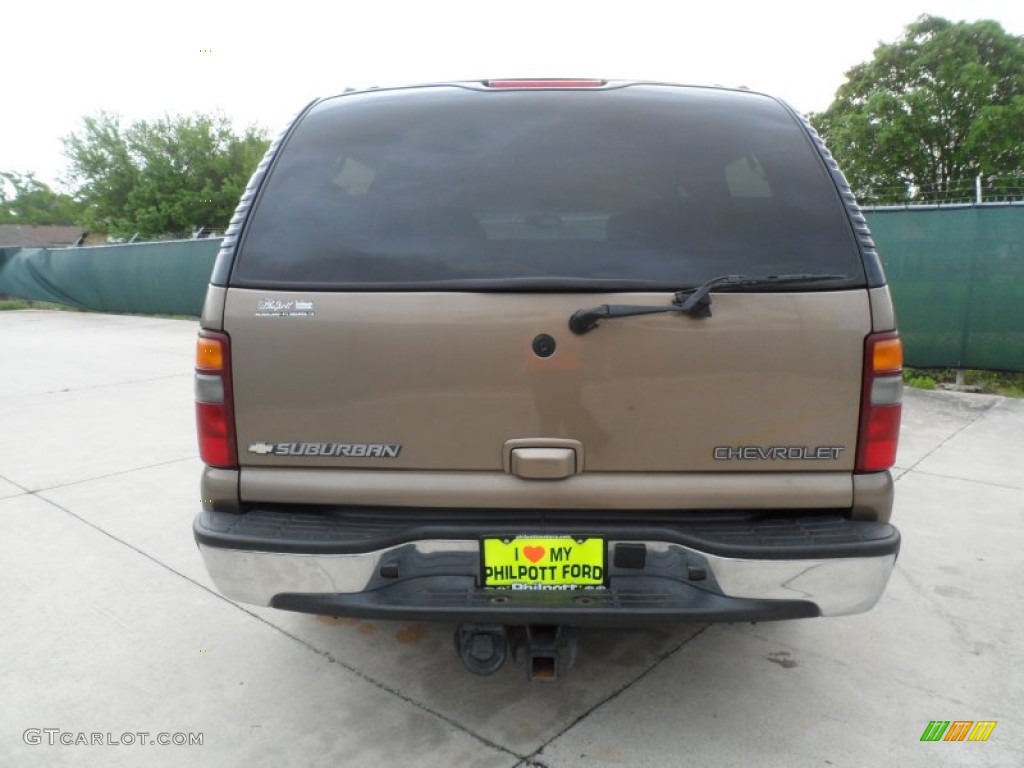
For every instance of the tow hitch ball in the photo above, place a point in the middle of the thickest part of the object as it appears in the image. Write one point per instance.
(549, 651)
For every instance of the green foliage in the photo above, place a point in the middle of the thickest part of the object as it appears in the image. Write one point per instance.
(917, 380)
(997, 382)
(929, 113)
(26, 200)
(166, 176)
(1006, 383)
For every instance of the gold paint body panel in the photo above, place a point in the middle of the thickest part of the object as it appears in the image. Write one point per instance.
(452, 377)
(635, 408)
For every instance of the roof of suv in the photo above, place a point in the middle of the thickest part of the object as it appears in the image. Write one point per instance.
(552, 83)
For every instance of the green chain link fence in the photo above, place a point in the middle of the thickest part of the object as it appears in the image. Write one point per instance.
(957, 279)
(956, 274)
(165, 278)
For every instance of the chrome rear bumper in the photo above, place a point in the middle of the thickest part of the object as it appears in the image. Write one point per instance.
(439, 577)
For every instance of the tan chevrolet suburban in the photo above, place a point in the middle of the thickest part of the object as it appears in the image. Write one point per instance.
(533, 355)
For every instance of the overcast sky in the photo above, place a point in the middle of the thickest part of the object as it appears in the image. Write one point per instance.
(259, 63)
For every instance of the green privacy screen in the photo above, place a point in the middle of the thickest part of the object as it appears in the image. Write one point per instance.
(956, 274)
(167, 278)
(957, 278)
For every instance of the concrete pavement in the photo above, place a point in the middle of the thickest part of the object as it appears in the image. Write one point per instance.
(112, 626)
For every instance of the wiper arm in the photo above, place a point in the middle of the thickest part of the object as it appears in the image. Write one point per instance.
(695, 302)
(584, 320)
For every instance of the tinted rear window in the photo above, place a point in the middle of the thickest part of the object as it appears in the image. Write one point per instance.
(448, 187)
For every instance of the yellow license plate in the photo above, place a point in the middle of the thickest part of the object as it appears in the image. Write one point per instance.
(543, 561)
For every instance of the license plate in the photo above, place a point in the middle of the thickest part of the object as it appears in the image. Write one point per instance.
(559, 562)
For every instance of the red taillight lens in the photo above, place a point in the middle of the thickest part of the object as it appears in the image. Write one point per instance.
(878, 446)
(881, 402)
(216, 441)
(576, 83)
(215, 414)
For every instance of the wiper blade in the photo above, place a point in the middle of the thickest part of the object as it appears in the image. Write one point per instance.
(695, 302)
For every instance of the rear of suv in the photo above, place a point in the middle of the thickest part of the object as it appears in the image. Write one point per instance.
(548, 354)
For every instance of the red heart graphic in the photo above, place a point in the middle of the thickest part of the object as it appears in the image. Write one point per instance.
(534, 554)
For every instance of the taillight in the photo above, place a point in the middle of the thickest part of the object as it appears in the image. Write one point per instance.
(551, 83)
(215, 413)
(881, 402)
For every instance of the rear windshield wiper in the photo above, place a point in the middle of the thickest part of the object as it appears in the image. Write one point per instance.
(695, 302)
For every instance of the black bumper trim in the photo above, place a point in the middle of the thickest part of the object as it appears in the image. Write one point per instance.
(628, 602)
(768, 535)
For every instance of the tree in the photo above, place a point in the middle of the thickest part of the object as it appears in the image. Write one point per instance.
(166, 176)
(26, 200)
(929, 113)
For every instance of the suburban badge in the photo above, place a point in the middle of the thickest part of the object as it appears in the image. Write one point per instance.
(329, 450)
